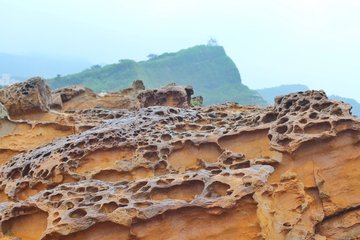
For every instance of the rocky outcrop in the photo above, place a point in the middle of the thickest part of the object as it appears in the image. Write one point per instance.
(224, 171)
(31, 96)
(197, 100)
(171, 95)
(133, 90)
(64, 94)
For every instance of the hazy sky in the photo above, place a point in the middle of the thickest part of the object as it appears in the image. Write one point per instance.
(272, 42)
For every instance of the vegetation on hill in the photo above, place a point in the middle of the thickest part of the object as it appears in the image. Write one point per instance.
(207, 68)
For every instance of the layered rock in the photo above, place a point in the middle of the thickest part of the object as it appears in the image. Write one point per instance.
(162, 172)
(81, 98)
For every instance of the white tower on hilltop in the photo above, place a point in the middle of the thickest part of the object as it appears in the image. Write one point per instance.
(5, 80)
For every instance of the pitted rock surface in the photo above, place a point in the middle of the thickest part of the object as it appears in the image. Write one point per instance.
(224, 171)
(31, 96)
(170, 95)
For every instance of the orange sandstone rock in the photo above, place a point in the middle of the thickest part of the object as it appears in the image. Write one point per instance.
(162, 172)
(31, 96)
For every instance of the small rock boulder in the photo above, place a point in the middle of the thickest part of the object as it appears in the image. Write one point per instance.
(197, 100)
(67, 93)
(171, 95)
(133, 90)
(31, 96)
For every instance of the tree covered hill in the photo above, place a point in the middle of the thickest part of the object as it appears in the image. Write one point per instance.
(207, 68)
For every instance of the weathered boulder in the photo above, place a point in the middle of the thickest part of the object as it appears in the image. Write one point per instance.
(68, 97)
(70, 92)
(3, 112)
(197, 100)
(170, 95)
(133, 90)
(31, 96)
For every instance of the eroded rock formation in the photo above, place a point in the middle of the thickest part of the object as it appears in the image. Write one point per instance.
(133, 90)
(31, 96)
(170, 95)
(174, 172)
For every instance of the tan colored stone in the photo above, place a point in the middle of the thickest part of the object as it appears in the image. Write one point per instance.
(214, 172)
(31, 96)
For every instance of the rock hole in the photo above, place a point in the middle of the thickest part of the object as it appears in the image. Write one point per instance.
(165, 151)
(78, 213)
(313, 115)
(245, 164)
(317, 128)
(56, 221)
(56, 197)
(30, 226)
(316, 107)
(270, 117)
(143, 204)
(281, 129)
(288, 104)
(108, 207)
(283, 120)
(186, 191)
(96, 198)
(151, 156)
(92, 189)
(218, 188)
(303, 121)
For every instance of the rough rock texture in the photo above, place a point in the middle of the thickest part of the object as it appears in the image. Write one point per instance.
(197, 99)
(64, 94)
(31, 96)
(3, 112)
(131, 98)
(133, 90)
(170, 95)
(218, 172)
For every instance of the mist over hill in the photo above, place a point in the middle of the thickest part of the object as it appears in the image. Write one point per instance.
(270, 93)
(22, 67)
(207, 68)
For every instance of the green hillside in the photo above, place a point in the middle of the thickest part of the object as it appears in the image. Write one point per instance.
(207, 68)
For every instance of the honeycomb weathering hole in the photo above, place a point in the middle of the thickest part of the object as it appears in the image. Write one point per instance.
(105, 158)
(30, 191)
(78, 213)
(218, 188)
(26, 227)
(317, 128)
(252, 144)
(109, 207)
(186, 157)
(113, 176)
(186, 191)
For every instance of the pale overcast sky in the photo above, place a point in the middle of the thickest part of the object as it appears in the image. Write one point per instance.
(272, 42)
